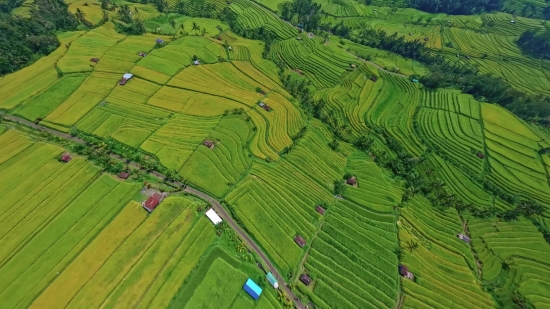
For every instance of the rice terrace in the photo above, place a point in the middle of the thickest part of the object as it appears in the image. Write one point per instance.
(274, 154)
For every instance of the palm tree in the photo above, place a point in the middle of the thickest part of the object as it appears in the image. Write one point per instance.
(195, 27)
(412, 245)
(204, 31)
(80, 16)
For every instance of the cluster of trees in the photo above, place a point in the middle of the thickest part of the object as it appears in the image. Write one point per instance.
(535, 44)
(305, 13)
(7, 5)
(197, 8)
(457, 7)
(24, 40)
(132, 23)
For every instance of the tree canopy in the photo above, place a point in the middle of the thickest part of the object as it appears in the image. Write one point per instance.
(458, 7)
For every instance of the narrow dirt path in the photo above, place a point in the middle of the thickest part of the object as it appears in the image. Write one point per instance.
(215, 203)
(474, 254)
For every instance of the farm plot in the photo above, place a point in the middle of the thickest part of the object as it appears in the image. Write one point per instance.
(373, 189)
(45, 102)
(519, 245)
(394, 110)
(216, 170)
(27, 82)
(140, 264)
(443, 265)
(220, 79)
(322, 64)
(90, 93)
(175, 141)
(353, 260)
(253, 16)
(514, 162)
(453, 135)
(123, 56)
(94, 44)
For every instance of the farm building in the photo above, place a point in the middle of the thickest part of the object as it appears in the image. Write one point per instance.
(159, 41)
(209, 143)
(374, 78)
(300, 241)
(415, 80)
(142, 54)
(353, 66)
(320, 210)
(152, 202)
(480, 155)
(196, 62)
(66, 158)
(272, 280)
(125, 78)
(266, 107)
(463, 237)
(213, 216)
(124, 175)
(94, 60)
(352, 181)
(262, 104)
(305, 279)
(404, 271)
(252, 289)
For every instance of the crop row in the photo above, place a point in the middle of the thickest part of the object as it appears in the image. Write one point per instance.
(252, 16)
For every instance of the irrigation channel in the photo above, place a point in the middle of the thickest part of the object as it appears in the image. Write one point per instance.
(193, 191)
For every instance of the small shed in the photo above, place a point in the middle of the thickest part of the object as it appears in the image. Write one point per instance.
(310, 35)
(159, 41)
(353, 66)
(94, 60)
(426, 39)
(305, 279)
(252, 289)
(480, 155)
(404, 271)
(124, 175)
(374, 78)
(414, 80)
(196, 62)
(320, 210)
(209, 143)
(142, 54)
(229, 47)
(262, 104)
(266, 107)
(213, 216)
(152, 202)
(300, 241)
(272, 280)
(352, 181)
(464, 238)
(126, 77)
(66, 158)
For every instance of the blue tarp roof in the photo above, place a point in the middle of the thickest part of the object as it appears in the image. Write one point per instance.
(252, 289)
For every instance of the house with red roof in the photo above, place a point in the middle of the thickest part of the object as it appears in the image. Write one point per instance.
(152, 202)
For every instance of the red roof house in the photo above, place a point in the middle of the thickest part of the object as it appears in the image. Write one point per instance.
(320, 209)
(94, 60)
(267, 108)
(152, 202)
(352, 181)
(66, 158)
(480, 155)
(404, 271)
(300, 241)
(124, 175)
(209, 143)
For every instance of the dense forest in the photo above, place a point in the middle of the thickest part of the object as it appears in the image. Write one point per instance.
(23, 40)
(535, 44)
(456, 7)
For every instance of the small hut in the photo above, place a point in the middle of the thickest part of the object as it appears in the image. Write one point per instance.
(353, 66)
(305, 279)
(159, 41)
(266, 107)
(464, 238)
(209, 143)
(320, 210)
(252, 289)
(300, 241)
(142, 54)
(124, 175)
(94, 60)
(404, 271)
(196, 62)
(65, 158)
(125, 78)
(426, 39)
(352, 181)
(272, 280)
(480, 155)
(374, 78)
(152, 202)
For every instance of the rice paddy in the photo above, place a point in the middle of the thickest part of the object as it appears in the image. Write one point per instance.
(76, 237)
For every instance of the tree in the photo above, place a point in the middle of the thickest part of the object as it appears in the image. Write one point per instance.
(204, 31)
(195, 27)
(411, 245)
(334, 145)
(338, 187)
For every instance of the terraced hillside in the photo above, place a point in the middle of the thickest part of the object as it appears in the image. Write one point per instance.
(325, 152)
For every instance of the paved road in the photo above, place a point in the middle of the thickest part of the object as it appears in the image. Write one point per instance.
(217, 206)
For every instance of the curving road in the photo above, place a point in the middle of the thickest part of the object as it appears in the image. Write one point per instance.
(215, 203)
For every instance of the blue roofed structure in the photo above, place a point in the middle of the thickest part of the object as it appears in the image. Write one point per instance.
(252, 289)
